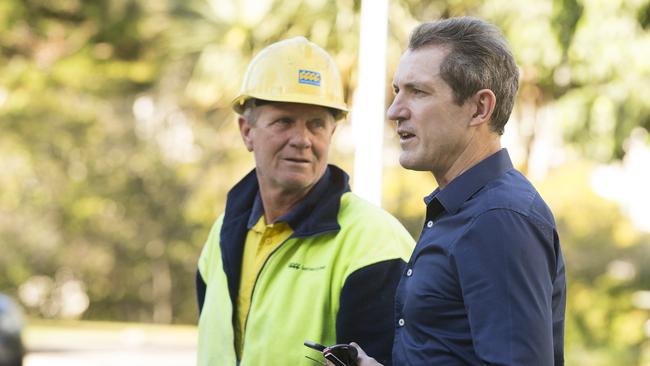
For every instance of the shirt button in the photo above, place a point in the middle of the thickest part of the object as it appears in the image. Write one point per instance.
(429, 223)
(401, 322)
(409, 272)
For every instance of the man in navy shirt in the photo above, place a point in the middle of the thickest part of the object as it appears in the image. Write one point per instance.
(486, 282)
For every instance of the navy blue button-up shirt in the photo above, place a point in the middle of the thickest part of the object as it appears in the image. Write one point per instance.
(485, 284)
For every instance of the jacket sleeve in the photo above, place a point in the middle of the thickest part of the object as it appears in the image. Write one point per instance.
(367, 308)
(204, 262)
(200, 290)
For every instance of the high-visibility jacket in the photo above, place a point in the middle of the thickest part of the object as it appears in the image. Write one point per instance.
(333, 280)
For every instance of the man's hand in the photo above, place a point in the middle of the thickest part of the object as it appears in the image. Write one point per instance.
(362, 358)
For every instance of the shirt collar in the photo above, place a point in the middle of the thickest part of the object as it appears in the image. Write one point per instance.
(465, 185)
(256, 212)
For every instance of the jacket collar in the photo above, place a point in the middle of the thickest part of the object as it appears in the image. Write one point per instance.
(316, 214)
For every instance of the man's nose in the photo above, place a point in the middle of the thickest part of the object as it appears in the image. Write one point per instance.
(397, 111)
(300, 136)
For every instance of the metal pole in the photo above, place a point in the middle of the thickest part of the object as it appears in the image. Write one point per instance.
(368, 112)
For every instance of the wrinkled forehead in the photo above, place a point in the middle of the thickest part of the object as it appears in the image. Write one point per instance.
(294, 109)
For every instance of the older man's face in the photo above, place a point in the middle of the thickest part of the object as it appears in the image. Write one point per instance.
(290, 142)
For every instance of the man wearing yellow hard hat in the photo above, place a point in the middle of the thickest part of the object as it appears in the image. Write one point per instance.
(295, 256)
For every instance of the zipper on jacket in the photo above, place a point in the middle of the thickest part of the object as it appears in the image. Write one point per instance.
(243, 339)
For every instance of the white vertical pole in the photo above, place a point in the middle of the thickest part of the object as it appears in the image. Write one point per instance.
(368, 112)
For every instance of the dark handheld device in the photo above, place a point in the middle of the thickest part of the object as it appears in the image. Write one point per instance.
(338, 354)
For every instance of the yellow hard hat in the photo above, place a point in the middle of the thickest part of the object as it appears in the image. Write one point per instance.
(295, 71)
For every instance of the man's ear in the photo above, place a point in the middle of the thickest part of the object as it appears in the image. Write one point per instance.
(484, 102)
(245, 130)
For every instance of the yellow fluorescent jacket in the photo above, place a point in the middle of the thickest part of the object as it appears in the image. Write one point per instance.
(332, 281)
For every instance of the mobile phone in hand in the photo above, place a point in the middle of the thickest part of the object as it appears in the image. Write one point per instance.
(338, 354)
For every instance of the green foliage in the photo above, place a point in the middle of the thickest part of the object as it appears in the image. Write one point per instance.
(606, 268)
(643, 16)
(566, 15)
(89, 197)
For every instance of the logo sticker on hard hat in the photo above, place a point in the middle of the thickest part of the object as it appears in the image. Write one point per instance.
(309, 77)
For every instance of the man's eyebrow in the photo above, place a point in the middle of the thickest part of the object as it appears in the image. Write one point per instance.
(412, 85)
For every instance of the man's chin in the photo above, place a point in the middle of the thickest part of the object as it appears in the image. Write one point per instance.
(407, 163)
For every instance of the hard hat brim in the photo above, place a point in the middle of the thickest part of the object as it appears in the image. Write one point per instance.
(239, 102)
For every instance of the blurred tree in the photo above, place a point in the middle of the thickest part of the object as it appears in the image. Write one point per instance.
(90, 199)
(607, 273)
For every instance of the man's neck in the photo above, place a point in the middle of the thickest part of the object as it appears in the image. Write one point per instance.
(277, 202)
(471, 156)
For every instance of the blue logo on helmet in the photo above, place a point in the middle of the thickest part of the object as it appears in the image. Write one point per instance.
(309, 77)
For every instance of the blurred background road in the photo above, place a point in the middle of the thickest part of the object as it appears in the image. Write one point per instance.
(109, 344)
